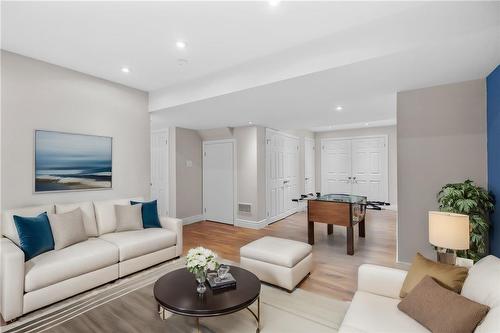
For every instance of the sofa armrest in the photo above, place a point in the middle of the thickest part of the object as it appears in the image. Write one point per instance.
(11, 279)
(380, 280)
(175, 225)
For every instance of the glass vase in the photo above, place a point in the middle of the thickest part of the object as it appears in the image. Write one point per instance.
(201, 277)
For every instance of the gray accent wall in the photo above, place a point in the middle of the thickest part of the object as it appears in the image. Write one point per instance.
(38, 95)
(441, 139)
(189, 183)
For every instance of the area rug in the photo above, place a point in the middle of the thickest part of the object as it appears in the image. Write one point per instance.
(128, 305)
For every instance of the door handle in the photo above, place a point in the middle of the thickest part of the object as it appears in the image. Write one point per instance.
(286, 181)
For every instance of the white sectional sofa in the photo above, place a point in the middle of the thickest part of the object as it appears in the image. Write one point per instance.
(104, 257)
(374, 306)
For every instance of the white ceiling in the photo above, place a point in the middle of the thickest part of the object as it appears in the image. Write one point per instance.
(284, 67)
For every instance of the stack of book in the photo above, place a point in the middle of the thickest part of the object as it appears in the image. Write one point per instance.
(217, 283)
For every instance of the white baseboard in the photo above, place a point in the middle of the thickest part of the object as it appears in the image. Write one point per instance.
(192, 219)
(282, 215)
(250, 224)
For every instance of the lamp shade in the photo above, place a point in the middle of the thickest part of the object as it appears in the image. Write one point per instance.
(448, 230)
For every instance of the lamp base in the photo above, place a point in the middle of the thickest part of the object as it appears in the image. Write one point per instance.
(447, 258)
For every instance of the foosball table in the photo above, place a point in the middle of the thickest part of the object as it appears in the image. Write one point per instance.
(337, 209)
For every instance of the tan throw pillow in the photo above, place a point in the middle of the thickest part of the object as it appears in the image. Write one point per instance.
(448, 276)
(128, 217)
(441, 310)
(67, 228)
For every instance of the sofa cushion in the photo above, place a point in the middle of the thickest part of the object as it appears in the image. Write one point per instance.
(372, 313)
(35, 235)
(448, 276)
(88, 215)
(150, 218)
(136, 243)
(442, 310)
(128, 217)
(9, 228)
(59, 265)
(105, 214)
(481, 286)
(277, 251)
(67, 228)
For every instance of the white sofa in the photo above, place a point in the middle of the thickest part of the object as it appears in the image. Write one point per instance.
(104, 257)
(374, 306)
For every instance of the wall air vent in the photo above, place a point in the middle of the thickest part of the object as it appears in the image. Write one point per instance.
(244, 208)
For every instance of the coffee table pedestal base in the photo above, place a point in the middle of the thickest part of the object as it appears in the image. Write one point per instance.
(165, 314)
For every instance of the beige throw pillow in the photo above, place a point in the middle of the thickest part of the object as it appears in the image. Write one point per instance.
(449, 276)
(441, 310)
(67, 228)
(128, 217)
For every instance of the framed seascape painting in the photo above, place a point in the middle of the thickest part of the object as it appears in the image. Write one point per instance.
(72, 162)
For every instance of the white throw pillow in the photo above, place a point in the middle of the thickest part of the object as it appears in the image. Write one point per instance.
(67, 228)
(483, 286)
(128, 217)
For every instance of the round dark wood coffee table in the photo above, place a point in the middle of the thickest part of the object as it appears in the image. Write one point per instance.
(176, 292)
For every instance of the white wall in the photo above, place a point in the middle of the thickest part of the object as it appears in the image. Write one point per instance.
(441, 140)
(390, 131)
(38, 95)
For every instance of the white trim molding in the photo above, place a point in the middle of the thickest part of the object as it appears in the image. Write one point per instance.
(250, 224)
(193, 219)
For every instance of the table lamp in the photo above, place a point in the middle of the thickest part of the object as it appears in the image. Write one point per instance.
(448, 231)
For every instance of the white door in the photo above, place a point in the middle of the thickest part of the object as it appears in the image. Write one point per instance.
(282, 165)
(218, 181)
(159, 170)
(336, 166)
(369, 168)
(309, 186)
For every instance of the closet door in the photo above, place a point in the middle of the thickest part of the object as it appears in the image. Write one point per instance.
(309, 186)
(336, 166)
(282, 165)
(369, 168)
(218, 181)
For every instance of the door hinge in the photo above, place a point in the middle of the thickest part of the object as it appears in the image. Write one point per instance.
(205, 210)
(205, 154)
(166, 142)
(267, 213)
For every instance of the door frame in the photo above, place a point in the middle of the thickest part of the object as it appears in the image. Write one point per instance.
(235, 175)
(167, 176)
(272, 219)
(386, 138)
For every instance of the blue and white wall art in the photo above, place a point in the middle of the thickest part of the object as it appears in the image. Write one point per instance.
(69, 162)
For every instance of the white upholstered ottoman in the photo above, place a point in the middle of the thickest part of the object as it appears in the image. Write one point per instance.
(277, 261)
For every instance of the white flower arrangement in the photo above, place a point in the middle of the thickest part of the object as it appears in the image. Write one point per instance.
(200, 260)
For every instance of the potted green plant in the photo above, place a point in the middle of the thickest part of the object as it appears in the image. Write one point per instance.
(475, 201)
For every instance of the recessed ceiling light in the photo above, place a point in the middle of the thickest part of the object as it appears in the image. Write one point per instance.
(366, 124)
(274, 3)
(250, 123)
(181, 44)
(125, 70)
(339, 108)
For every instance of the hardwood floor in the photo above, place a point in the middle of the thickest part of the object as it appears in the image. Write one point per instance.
(334, 272)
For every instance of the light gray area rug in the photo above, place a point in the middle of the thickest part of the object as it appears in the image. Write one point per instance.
(128, 305)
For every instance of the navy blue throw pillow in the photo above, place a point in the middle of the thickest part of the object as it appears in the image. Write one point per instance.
(35, 235)
(150, 218)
